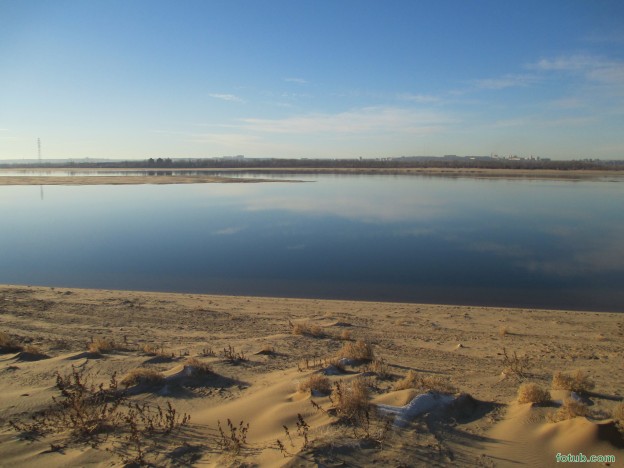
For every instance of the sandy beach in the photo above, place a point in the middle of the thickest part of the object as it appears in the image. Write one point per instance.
(127, 180)
(301, 382)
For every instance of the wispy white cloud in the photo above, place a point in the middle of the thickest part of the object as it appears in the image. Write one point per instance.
(364, 121)
(228, 231)
(300, 81)
(226, 97)
(594, 68)
(507, 81)
(567, 103)
(543, 121)
(419, 98)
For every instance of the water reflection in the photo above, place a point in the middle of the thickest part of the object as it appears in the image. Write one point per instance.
(492, 242)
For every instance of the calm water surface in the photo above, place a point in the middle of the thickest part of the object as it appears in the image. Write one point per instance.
(538, 243)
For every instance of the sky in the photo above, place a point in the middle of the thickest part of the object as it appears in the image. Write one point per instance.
(136, 79)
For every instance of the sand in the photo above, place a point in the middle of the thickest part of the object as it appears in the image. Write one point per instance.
(256, 364)
(128, 180)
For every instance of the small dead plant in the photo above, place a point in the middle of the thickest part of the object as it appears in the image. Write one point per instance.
(142, 376)
(102, 346)
(231, 355)
(532, 393)
(350, 399)
(198, 367)
(153, 350)
(8, 344)
(379, 367)
(34, 352)
(425, 383)
(350, 404)
(578, 382)
(514, 365)
(359, 350)
(315, 383)
(306, 329)
(568, 410)
(234, 438)
(303, 429)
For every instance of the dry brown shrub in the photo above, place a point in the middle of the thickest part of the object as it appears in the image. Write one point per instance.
(427, 383)
(142, 375)
(379, 367)
(410, 380)
(503, 331)
(358, 351)
(267, 349)
(350, 398)
(514, 365)
(198, 367)
(8, 344)
(34, 351)
(153, 350)
(102, 345)
(307, 329)
(437, 384)
(568, 410)
(618, 412)
(578, 382)
(316, 382)
(345, 335)
(532, 393)
(334, 362)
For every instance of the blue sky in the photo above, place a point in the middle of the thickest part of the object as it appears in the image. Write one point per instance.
(138, 79)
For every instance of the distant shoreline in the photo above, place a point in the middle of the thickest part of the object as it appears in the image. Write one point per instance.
(128, 180)
(206, 175)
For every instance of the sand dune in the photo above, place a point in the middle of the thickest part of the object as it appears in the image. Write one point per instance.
(220, 358)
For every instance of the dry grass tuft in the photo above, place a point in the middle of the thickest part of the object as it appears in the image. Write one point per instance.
(306, 329)
(267, 350)
(102, 345)
(350, 399)
(618, 412)
(142, 375)
(379, 368)
(432, 383)
(532, 393)
(35, 351)
(437, 384)
(198, 367)
(578, 382)
(409, 381)
(8, 344)
(152, 350)
(315, 383)
(358, 351)
(568, 410)
(345, 335)
(503, 331)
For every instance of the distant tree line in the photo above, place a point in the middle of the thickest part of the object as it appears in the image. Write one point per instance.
(397, 163)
